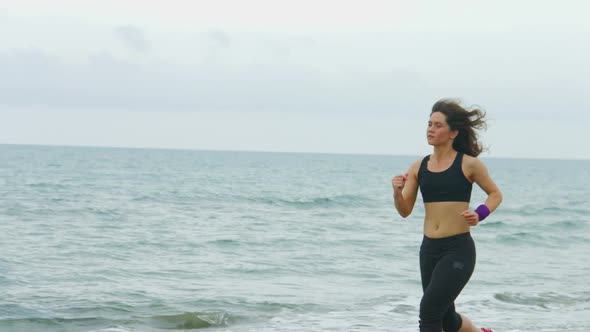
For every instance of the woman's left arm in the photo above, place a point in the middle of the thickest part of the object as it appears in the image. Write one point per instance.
(481, 176)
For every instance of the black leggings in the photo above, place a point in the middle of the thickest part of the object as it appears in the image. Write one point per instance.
(446, 264)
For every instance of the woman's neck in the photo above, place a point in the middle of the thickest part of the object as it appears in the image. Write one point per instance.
(445, 152)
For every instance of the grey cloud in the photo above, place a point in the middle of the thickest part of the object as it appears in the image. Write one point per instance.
(34, 78)
(220, 42)
(220, 38)
(279, 49)
(133, 37)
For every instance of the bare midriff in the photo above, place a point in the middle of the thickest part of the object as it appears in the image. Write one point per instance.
(444, 219)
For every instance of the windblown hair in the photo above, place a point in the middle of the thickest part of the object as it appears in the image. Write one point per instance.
(466, 121)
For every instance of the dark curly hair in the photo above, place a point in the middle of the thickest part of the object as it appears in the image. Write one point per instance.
(466, 121)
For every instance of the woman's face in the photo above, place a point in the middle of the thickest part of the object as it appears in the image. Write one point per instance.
(439, 131)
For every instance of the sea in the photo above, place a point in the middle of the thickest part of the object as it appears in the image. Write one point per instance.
(122, 240)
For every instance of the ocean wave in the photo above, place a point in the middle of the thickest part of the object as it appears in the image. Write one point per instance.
(493, 224)
(104, 212)
(195, 320)
(47, 185)
(314, 202)
(569, 224)
(544, 211)
(548, 236)
(184, 321)
(546, 300)
(225, 243)
(568, 209)
(519, 237)
(115, 329)
(535, 238)
(51, 324)
(326, 201)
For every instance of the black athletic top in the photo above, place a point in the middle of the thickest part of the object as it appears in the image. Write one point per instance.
(450, 185)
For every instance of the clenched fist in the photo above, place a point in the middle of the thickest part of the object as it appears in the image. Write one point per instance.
(472, 218)
(399, 182)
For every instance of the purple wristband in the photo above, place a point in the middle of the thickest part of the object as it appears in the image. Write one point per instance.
(482, 211)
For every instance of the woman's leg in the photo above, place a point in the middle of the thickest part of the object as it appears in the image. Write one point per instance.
(467, 325)
(428, 262)
(449, 276)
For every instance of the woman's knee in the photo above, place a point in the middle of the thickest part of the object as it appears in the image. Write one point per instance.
(431, 312)
(452, 322)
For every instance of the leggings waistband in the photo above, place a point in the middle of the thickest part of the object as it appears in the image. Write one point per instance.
(444, 243)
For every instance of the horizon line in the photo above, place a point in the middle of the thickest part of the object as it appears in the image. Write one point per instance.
(264, 151)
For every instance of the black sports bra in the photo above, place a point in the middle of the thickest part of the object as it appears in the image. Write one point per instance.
(450, 185)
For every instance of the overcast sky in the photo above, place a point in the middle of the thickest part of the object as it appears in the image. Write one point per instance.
(305, 76)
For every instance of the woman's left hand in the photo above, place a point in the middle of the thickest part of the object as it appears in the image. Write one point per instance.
(471, 217)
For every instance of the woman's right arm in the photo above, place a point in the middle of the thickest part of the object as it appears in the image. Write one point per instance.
(405, 190)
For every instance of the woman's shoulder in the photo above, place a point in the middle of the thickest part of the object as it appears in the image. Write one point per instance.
(415, 167)
(416, 164)
(472, 162)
